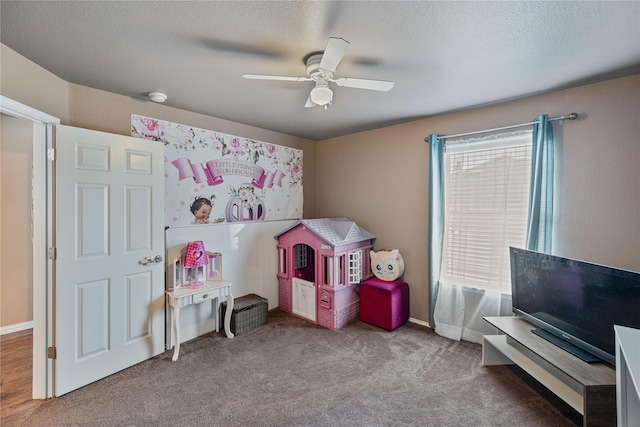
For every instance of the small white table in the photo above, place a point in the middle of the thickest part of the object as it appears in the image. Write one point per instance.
(213, 290)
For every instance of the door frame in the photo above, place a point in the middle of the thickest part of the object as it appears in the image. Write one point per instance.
(43, 187)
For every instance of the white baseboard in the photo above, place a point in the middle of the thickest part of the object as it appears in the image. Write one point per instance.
(419, 322)
(16, 327)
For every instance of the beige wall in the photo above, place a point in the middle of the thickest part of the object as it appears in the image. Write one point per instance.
(379, 178)
(32, 85)
(104, 111)
(27, 83)
(80, 106)
(16, 273)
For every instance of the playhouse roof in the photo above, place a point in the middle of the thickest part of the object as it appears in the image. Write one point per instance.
(334, 231)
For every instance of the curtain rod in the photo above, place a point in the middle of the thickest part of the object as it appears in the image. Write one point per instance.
(571, 116)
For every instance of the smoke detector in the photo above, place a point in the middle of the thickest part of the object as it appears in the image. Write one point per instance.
(158, 97)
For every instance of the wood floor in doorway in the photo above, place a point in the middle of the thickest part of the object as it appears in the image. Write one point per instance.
(15, 377)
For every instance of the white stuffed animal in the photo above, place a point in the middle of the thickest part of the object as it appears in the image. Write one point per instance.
(387, 264)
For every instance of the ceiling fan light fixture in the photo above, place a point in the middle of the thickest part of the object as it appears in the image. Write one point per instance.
(158, 97)
(321, 67)
(321, 95)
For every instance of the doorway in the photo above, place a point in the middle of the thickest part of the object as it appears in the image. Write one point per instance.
(38, 232)
(304, 262)
(16, 247)
(303, 292)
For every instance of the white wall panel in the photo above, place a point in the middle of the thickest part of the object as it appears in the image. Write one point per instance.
(92, 318)
(138, 226)
(138, 162)
(92, 157)
(249, 262)
(92, 220)
(138, 305)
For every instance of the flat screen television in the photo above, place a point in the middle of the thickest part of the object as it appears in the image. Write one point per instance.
(575, 304)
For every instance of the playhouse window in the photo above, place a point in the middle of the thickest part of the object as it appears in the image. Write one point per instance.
(327, 263)
(282, 258)
(340, 275)
(367, 263)
(355, 267)
(301, 260)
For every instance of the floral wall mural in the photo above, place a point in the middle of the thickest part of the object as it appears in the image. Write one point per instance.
(212, 177)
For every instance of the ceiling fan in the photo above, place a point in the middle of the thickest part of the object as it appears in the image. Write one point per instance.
(320, 69)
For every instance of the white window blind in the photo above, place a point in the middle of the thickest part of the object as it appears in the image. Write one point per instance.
(486, 201)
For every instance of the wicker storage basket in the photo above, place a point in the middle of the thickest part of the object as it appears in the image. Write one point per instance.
(249, 312)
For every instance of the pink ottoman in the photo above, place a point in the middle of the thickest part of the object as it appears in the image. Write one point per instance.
(384, 303)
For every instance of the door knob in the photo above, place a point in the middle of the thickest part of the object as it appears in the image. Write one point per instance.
(150, 260)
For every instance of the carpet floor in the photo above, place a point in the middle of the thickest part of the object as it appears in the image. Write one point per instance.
(293, 373)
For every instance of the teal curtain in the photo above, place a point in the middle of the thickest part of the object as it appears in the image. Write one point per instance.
(436, 219)
(540, 217)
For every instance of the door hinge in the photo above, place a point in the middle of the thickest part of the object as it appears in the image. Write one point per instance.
(52, 353)
(52, 253)
(51, 154)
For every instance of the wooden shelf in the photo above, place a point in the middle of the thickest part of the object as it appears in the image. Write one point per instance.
(588, 387)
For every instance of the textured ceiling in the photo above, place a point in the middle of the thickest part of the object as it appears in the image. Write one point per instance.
(443, 56)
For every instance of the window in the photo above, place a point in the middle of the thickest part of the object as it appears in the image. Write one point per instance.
(328, 270)
(355, 267)
(282, 258)
(367, 263)
(486, 182)
(300, 256)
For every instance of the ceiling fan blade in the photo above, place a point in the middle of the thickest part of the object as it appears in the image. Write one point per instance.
(310, 103)
(333, 54)
(381, 85)
(267, 77)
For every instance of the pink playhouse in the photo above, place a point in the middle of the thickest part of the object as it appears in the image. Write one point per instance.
(321, 262)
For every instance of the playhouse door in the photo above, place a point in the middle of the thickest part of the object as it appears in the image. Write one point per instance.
(109, 287)
(304, 299)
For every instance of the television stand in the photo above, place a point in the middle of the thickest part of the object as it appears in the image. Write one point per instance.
(566, 346)
(589, 388)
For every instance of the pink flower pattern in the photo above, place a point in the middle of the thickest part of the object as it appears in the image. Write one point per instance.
(195, 144)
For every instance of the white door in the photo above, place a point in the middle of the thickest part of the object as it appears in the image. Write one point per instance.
(109, 307)
(304, 299)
